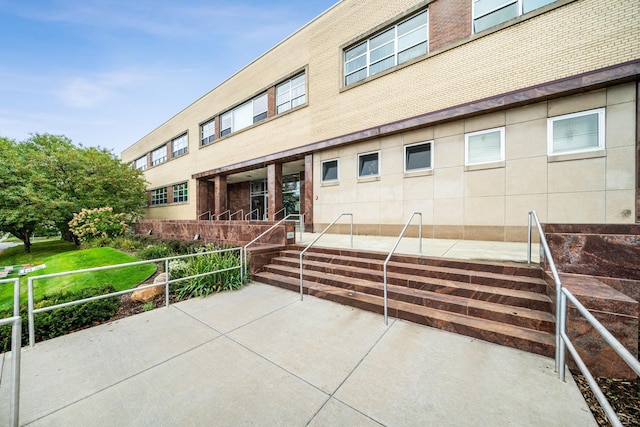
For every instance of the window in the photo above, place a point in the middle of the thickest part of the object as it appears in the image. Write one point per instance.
(208, 132)
(141, 163)
(489, 13)
(418, 156)
(388, 48)
(368, 164)
(330, 170)
(180, 145)
(576, 132)
(159, 196)
(159, 155)
(291, 93)
(244, 115)
(181, 193)
(485, 146)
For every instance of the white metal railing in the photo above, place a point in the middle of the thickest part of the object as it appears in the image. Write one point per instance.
(300, 222)
(281, 210)
(16, 350)
(386, 261)
(241, 212)
(563, 342)
(261, 235)
(228, 211)
(316, 239)
(168, 281)
(250, 215)
(205, 213)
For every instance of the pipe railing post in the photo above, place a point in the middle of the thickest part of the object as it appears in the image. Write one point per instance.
(529, 240)
(32, 332)
(562, 351)
(166, 282)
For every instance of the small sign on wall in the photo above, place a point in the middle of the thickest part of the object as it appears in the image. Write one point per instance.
(291, 234)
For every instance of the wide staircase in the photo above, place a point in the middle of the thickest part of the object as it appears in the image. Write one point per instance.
(503, 303)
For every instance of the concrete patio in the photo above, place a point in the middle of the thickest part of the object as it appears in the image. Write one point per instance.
(260, 356)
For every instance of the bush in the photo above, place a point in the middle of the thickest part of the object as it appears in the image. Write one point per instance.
(211, 283)
(65, 320)
(98, 223)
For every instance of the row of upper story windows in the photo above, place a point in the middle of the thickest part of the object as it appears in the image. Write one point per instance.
(567, 134)
(288, 94)
(179, 194)
(409, 39)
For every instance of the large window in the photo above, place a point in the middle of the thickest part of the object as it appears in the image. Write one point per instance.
(388, 48)
(330, 170)
(368, 164)
(159, 196)
(159, 155)
(418, 157)
(244, 115)
(485, 146)
(179, 145)
(576, 132)
(489, 13)
(141, 163)
(208, 132)
(181, 192)
(291, 93)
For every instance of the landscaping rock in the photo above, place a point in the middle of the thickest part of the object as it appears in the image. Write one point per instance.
(145, 295)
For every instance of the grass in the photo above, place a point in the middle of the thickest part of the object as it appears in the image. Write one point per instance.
(63, 256)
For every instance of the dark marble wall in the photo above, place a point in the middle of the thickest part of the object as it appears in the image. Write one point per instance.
(224, 232)
(239, 198)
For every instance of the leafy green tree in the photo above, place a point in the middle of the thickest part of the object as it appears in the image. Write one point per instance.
(48, 178)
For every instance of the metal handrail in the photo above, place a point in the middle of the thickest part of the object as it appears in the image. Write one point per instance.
(225, 212)
(250, 214)
(316, 239)
(167, 282)
(300, 222)
(261, 235)
(563, 342)
(16, 350)
(205, 213)
(241, 212)
(386, 261)
(281, 210)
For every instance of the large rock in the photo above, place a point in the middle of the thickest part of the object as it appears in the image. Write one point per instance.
(145, 295)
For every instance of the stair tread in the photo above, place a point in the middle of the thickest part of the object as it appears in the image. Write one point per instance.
(423, 267)
(444, 282)
(542, 337)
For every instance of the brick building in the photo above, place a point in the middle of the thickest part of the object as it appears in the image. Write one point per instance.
(473, 112)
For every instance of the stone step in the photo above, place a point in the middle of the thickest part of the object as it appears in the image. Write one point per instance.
(521, 315)
(454, 271)
(344, 276)
(526, 339)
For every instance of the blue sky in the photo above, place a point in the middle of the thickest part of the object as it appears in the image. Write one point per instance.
(107, 72)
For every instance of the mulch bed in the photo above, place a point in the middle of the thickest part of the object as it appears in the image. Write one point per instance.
(623, 395)
(129, 308)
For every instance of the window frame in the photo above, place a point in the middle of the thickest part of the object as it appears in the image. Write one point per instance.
(290, 101)
(467, 135)
(159, 196)
(337, 178)
(601, 131)
(143, 167)
(255, 118)
(371, 175)
(394, 41)
(182, 150)
(210, 136)
(415, 144)
(160, 159)
(506, 3)
(181, 192)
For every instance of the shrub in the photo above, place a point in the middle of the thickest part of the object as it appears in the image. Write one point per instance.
(62, 321)
(155, 252)
(211, 283)
(98, 223)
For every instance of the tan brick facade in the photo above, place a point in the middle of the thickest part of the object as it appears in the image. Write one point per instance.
(559, 41)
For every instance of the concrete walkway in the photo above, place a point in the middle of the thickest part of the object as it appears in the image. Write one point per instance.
(448, 248)
(260, 356)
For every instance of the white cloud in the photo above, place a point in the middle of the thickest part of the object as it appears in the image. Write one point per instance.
(95, 90)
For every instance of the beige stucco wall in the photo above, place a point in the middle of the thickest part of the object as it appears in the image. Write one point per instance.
(561, 42)
(492, 202)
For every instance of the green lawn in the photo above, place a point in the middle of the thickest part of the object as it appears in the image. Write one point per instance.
(63, 256)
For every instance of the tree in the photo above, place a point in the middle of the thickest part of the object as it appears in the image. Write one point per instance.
(63, 179)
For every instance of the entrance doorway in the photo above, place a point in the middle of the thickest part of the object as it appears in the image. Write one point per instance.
(258, 199)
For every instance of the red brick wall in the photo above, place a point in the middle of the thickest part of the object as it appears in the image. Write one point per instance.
(449, 21)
